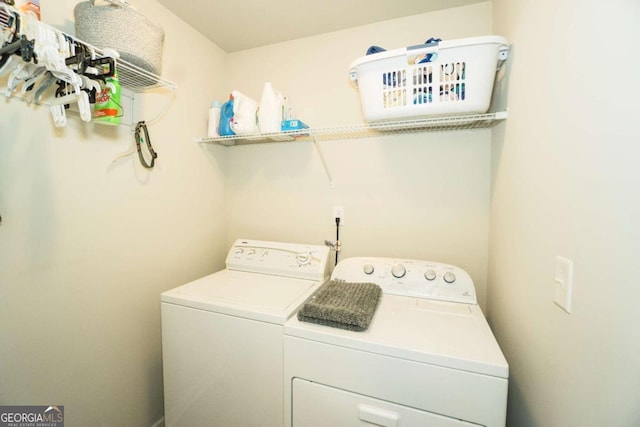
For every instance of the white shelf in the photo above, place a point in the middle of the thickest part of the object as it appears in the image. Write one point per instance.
(139, 80)
(131, 76)
(431, 124)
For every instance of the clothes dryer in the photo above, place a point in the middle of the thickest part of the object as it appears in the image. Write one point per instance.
(428, 356)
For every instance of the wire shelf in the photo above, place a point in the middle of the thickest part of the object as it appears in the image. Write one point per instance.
(138, 80)
(131, 76)
(431, 124)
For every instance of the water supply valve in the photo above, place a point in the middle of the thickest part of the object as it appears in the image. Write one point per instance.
(334, 245)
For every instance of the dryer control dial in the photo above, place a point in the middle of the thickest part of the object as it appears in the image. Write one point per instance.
(368, 269)
(398, 271)
(449, 277)
(430, 275)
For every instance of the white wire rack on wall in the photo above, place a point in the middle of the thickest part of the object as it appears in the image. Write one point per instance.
(34, 57)
(364, 130)
(138, 80)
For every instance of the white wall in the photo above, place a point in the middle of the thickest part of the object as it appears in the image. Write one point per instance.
(87, 245)
(566, 181)
(420, 196)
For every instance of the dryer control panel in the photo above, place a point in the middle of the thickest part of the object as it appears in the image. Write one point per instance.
(279, 259)
(420, 279)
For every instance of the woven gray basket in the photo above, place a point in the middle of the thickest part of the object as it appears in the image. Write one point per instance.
(118, 26)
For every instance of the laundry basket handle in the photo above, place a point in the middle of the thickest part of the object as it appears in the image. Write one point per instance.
(423, 49)
(121, 3)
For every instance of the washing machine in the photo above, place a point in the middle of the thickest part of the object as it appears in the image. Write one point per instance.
(427, 358)
(222, 335)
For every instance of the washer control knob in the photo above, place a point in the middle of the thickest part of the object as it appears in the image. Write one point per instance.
(449, 277)
(238, 251)
(303, 258)
(398, 271)
(430, 275)
(251, 252)
(368, 269)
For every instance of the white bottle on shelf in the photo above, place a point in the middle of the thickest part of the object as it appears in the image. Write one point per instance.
(214, 120)
(270, 112)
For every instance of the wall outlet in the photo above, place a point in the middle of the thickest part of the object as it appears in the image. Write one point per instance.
(338, 212)
(563, 285)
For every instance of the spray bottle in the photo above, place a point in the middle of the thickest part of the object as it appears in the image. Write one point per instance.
(108, 108)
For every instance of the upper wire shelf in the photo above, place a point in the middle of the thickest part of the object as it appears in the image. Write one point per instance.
(139, 80)
(431, 124)
(42, 65)
(131, 77)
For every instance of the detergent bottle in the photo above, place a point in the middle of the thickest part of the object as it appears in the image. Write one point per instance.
(226, 118)
(270, 112)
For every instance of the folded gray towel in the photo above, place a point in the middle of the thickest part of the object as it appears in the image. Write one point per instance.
(342, 305)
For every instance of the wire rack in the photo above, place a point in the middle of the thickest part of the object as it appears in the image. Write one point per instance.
(431, 124)
(131, 76)
(138, 80)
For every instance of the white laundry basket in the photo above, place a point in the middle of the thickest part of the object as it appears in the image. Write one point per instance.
(440, 78)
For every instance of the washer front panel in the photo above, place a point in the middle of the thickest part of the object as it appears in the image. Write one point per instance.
(220, 370)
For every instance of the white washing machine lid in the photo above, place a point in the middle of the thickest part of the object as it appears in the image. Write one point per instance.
(452, 335)
(256, 296)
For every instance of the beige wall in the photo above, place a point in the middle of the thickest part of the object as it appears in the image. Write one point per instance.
(87, 245)
(420, 196)
(565, 182)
